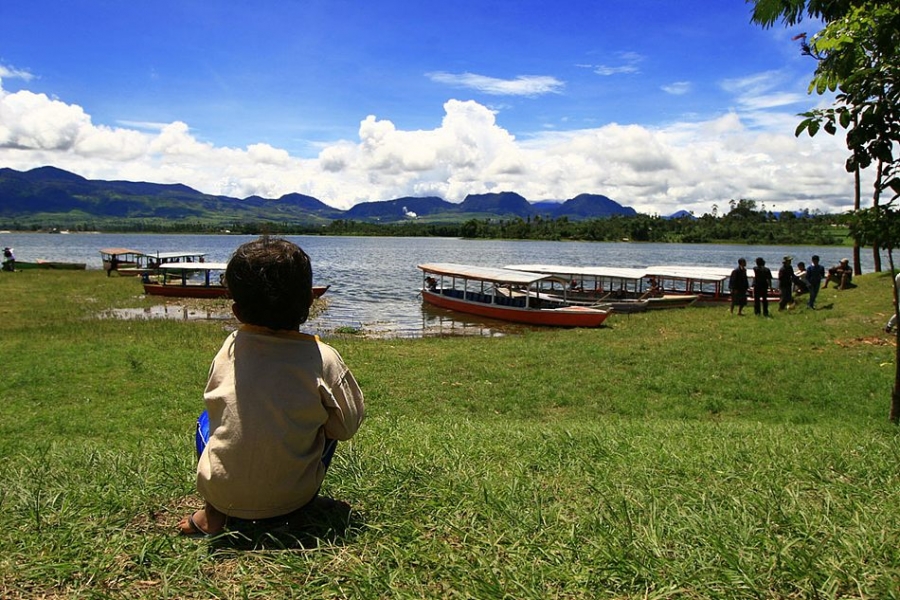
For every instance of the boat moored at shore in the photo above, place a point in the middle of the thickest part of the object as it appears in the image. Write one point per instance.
(194, 280)
(49, 264)
(124, 261)
(626, 290)
(502, 294)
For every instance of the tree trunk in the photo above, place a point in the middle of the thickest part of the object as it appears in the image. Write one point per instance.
(876, 196)
(895, 393)
(857, 193)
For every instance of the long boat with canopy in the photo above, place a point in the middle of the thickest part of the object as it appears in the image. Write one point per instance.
(503, 294)
(195, 280)
(627, 290)
(710, 284)
(123, 261)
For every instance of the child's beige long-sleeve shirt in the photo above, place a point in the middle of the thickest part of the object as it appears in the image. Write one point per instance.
(272, 398)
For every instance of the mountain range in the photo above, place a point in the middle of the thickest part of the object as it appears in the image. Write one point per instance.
(49, 193)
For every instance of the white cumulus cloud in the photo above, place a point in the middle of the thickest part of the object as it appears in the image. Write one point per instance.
(746, 153)
(524, 85)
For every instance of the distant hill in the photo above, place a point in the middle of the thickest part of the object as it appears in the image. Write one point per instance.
(501, 204)
(52, 194)
(681, 214)
(590, 206)
(398, 209)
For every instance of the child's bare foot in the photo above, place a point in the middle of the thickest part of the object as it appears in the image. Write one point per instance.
(205, 522)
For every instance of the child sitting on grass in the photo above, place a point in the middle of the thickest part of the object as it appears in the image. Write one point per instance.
(277, 399)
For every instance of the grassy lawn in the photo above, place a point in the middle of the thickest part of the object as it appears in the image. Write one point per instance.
(671, 454)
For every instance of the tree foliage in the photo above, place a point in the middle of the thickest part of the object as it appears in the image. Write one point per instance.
(858, 57)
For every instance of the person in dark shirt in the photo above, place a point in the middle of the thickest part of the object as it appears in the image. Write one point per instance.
(814, 276)
(739, 284)
(762, 282)
(786, 284)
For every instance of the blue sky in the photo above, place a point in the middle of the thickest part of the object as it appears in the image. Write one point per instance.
(660, 105)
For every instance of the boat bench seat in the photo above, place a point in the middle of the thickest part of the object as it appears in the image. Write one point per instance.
(478, 297)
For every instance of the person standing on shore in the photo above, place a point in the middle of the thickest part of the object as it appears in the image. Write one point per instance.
(9, 259)
(762, 282)
(786, 283)
(815, 273)
(739, 285)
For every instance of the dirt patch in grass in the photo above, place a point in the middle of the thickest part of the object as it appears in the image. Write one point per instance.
(872, 340)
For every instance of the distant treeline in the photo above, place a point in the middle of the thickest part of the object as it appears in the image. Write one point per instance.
(742, 224)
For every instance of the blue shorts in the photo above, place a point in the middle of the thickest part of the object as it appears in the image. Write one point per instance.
(201, 438)
(202, 435)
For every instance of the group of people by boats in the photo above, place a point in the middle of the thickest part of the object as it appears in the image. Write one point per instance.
(576, 296)
(790, 282)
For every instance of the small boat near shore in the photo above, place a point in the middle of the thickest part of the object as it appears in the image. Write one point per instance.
(502, 294)
(187, 280)
(128, 262)
(124, 261)
(49, 264)
(194, 280)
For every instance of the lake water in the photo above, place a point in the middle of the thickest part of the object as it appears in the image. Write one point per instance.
(374, 280)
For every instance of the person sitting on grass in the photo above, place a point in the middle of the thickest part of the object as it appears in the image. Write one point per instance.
(841, 273)
(277, 400)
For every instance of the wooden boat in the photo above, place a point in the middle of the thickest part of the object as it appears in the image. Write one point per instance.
(155, 259)
(187, 280)
(123, 261)
(503, 294)
(626, 290)
(709, 284)
(195, 280)
(149, 262)
(49, 264)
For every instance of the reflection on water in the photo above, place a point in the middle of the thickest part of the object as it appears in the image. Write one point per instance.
(440, 322)
(171, 311)
(436, 322)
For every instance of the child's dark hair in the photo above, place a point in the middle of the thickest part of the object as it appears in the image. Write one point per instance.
(270, 280)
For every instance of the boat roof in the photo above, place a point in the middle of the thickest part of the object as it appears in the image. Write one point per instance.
(120, 251)
(170, 255)
(194, 266)
(483, 273)
(568, 271)
(689, 272)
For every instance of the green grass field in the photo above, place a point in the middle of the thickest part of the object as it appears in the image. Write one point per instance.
(672, 454)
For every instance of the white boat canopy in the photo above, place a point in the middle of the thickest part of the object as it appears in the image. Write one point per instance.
(196, 266)
(687, 272)
(569, 271)
(173, 255)
(491, 274)
(120, 251)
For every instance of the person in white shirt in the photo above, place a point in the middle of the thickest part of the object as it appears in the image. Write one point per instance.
(892, 322)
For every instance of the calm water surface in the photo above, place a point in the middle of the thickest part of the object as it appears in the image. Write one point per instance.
(374, 280)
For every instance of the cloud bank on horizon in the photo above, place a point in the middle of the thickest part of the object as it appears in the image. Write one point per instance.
(743, 149)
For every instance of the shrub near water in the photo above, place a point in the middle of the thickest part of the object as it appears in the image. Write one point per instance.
(685, 453)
